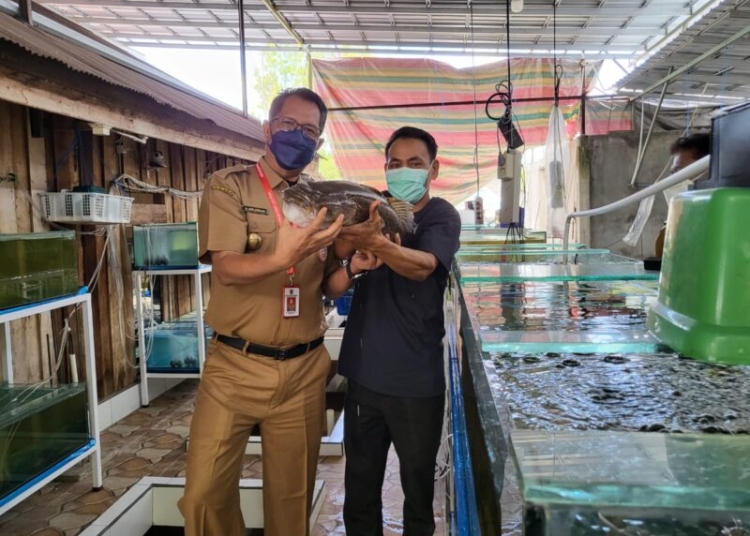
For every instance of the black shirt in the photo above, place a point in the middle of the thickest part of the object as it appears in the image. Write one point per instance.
(393, 341)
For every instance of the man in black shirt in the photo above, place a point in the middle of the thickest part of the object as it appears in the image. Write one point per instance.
(392, 351)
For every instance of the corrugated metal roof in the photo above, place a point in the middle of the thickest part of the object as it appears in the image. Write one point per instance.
(127, 73)
(590, 28)
(723, 75)
(664, 33)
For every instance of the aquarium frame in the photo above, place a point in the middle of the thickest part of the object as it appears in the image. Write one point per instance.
(196, 274)
(93, 449)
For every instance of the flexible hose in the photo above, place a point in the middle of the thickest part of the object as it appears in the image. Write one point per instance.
(694, 170)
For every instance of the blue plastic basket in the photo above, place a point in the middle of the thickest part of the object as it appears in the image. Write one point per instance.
(344, 303)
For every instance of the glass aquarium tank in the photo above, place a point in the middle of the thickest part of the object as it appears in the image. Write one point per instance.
(509, 254)
(37, 267)
(40, 426)
(580, 267)
(605, 483)
(592, 426)
(167, 245)
(173, 346)
(555, 316)
(614, 391)
(484, 234)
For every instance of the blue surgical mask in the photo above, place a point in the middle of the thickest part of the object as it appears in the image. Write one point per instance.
(407, 184)
(293, 150)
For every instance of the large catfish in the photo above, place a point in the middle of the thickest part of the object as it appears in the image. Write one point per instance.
(303, 201)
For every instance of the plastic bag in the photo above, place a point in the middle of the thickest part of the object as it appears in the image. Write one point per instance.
(641, 219)
(557, 161)
(669, 193)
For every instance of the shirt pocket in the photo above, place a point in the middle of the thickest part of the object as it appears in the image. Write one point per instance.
(262, 229)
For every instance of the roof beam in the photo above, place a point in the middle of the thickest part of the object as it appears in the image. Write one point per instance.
(720, 80)
(415, 46)
(51, 97)
(676, 7)
(692, 97)
(739, 35)
(711, 66)
(281, 20)
(360, 47)
(414, 29)
(687, 23)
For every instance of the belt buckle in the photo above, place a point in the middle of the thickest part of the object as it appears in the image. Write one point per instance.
(281, 355)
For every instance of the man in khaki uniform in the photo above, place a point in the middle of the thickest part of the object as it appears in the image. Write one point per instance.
(267, 365)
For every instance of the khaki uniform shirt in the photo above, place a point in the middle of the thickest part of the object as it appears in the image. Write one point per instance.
(235, 205)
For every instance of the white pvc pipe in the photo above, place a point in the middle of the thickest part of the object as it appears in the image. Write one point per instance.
(643, 148)
(139, 139)
(694, 170)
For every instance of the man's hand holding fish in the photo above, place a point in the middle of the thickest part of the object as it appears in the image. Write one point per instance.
(368, 234)
(297, 243)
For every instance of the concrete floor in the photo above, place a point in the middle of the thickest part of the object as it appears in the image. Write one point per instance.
(151, 442)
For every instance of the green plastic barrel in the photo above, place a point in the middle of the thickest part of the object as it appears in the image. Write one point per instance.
(703, 310)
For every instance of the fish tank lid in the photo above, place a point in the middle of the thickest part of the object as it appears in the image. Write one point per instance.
(38, 236)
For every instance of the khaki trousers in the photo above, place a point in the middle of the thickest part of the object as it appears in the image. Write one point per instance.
(238, 391)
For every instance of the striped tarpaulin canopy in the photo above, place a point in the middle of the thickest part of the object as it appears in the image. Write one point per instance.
(359, 136)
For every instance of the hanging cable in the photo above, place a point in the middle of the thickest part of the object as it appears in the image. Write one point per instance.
(558, 68)
(507, 46)
(474, 86)
(131, 184)
(504, 95)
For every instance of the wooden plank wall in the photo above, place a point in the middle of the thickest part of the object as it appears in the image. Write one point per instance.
(58, 160)
(22, 155)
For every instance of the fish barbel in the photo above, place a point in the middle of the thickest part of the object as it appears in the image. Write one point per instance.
(304, 200)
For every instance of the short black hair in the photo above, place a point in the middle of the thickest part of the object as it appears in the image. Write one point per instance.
(414, 133)
(304, 94)
(698, 144)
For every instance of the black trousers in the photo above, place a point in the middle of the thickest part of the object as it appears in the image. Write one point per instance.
(371, 422)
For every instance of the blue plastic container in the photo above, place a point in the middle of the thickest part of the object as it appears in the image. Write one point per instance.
(344, 303)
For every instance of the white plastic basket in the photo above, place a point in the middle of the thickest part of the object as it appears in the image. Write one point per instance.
(85, 207)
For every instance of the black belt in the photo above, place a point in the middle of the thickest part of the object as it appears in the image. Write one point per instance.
(280, 354)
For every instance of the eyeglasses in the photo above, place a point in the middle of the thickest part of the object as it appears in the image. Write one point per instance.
(287, 124)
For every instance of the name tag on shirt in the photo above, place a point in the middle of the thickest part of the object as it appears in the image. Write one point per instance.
(254, 210)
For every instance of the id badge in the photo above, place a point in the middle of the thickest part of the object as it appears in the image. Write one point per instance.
(291, 302)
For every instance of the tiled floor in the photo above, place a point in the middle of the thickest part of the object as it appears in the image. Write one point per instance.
(151, 442)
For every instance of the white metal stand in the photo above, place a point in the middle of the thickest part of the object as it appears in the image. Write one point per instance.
(138, 279)
(93, 450)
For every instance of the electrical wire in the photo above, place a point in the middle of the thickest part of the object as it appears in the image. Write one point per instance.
(116, 277)
(474, 87)
(33, 387)
(504, 90)
(443, 465)
(507, 44)
(558, 75)
(111, 248)
(503, 95)
(131, 184)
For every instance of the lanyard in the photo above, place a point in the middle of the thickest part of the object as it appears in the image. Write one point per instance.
(275, 206)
